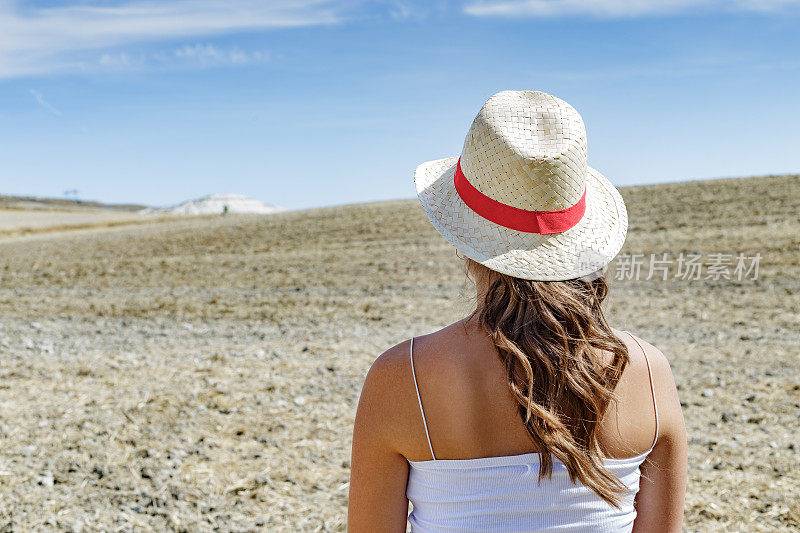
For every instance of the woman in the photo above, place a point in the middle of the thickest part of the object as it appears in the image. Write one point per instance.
(532, 413)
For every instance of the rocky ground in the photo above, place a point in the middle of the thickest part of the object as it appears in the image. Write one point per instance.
(201, 374)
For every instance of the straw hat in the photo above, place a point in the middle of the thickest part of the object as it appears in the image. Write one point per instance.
(521, 199)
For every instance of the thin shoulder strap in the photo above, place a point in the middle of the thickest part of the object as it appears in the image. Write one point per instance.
(419, 399)
(652, 389)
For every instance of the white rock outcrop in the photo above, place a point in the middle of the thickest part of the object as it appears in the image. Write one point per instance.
(215, 204)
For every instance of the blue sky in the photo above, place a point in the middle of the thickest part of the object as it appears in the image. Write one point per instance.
(313, 102)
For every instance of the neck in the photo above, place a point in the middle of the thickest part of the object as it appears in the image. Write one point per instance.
(481, 288)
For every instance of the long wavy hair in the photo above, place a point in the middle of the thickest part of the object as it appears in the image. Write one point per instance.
(549, 335)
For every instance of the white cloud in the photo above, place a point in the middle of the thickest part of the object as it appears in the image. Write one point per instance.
(89, 34)
(43, 40)
(120, 60)
(189, 56)
(199, 51)
(617, 8)
(401, 10)
(42, 102)
(207, 54)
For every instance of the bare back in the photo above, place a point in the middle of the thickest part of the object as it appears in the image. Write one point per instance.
(471, 412)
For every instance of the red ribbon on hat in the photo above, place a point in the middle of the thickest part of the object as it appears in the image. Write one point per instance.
(543, 222)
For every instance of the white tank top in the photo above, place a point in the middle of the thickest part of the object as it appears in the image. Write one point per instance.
(504, 493)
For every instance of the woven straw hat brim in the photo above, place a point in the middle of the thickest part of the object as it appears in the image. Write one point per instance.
(580, 251)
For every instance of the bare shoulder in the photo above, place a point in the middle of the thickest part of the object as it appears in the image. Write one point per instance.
(391, 371)
(390, 364)
(388, 406)
(659, 364)
(388, 383)
(669, 409)
(389, 403)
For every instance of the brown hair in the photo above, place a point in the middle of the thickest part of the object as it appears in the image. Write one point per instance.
(549, 335)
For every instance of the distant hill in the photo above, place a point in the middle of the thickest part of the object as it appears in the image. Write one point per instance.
(217, 204)
(35, 202)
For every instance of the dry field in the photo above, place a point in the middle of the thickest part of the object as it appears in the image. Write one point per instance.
(201, 374)
(18, 220)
